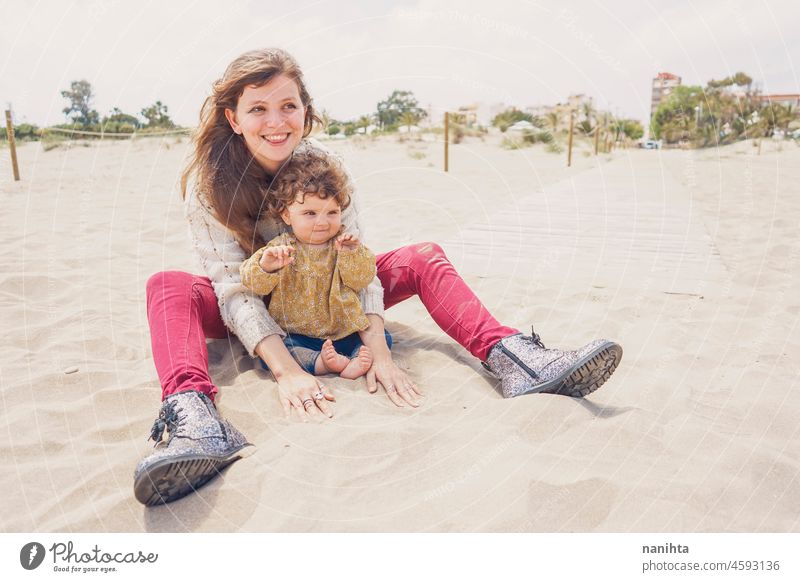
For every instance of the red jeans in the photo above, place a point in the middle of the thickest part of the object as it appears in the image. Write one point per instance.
(183, 312)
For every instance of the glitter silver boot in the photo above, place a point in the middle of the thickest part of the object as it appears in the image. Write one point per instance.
(525, 366)
(201, 443)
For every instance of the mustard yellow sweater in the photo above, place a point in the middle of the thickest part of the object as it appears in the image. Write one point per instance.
(317, 295)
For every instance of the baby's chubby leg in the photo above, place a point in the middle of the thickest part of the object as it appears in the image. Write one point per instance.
(330, 361)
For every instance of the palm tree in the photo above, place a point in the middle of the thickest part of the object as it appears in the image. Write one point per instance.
(552, 119)
(364, 121)
(408, 119)
(326, 119)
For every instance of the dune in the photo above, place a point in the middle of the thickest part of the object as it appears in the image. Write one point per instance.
(689, 259)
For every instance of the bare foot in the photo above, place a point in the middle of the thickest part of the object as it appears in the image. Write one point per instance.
(359, 365)
(330, 360)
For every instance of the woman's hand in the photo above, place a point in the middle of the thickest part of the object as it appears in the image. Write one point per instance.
(304, 393)
(297, 389)
(399, 387)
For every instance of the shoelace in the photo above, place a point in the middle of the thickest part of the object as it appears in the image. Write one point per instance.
(168, 418)
(535, 339)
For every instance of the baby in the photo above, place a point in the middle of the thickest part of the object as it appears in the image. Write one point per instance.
(314, 273)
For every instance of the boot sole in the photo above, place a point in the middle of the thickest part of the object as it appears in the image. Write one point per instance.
(171, 478)
(586, 375)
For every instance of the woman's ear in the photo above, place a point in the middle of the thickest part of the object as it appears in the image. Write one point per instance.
(230, 115)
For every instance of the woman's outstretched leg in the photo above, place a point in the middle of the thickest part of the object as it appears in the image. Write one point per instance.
(520, 362)
(182, 311)
(423, 269)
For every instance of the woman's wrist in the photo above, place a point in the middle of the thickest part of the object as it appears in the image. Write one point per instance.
(280, 362)
(375, 339)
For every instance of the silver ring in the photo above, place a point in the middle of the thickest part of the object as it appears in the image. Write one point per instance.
(307, 400)
(319, 395)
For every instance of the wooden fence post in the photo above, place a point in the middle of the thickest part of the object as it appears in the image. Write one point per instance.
(12, 145)
(446, 140)
(569, 144)
(596, 135)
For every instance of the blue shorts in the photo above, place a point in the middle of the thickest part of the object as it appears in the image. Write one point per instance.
(306, 349)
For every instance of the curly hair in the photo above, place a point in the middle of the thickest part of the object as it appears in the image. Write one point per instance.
(309, 172)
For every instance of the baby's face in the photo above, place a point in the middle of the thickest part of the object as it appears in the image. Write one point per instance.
(315, 220)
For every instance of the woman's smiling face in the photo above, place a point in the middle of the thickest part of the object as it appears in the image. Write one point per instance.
(271, 119)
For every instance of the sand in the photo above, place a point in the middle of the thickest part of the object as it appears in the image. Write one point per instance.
(689, 259)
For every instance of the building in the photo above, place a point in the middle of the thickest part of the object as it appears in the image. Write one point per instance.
(663, 85)
(785, 99)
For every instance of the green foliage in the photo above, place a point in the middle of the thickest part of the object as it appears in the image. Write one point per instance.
(364, 122)
(534, 137)
(674, 120)
(391, 110)
(80, 110)
(157, 115)
(551, 119)
(118, 127)
(527, 138)
(553, 148)
(23, 132)
(509, 117)
(739, 79)
(119, 122)
(408, 119)
(512, 143)
(630, 128)
(711, 116)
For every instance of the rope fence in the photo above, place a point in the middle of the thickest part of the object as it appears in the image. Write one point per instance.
(103, 134)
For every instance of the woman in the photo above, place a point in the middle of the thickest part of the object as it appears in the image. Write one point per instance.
(258, 115)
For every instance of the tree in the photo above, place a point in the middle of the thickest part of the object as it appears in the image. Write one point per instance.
(775, 116)
(587, 119)
(739, 79)
(80, 97)
(398, 103)
(364, 122)
(408, 119)
(157, 115)
(676, 118)
(118, 122)
(552, 120)
(631, 128)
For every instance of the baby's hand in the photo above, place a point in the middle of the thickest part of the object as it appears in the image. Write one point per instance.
(347, 242)
(276, 258)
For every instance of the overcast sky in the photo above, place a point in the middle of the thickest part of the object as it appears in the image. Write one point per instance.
(355, 53)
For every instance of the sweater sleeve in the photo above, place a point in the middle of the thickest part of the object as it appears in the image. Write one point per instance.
(356, 267)
(243, 312)
(372, 296)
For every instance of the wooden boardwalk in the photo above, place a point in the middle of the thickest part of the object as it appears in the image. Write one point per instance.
(626, 223)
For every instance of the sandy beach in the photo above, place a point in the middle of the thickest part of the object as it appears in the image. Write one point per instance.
(689, 259)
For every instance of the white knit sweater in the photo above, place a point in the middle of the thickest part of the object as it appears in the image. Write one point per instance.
(243, 312)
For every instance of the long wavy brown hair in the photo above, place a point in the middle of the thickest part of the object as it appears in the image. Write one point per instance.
(234, 184)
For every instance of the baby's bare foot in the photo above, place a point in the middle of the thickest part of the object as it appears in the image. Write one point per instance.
(332, 361)
(359, 365)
